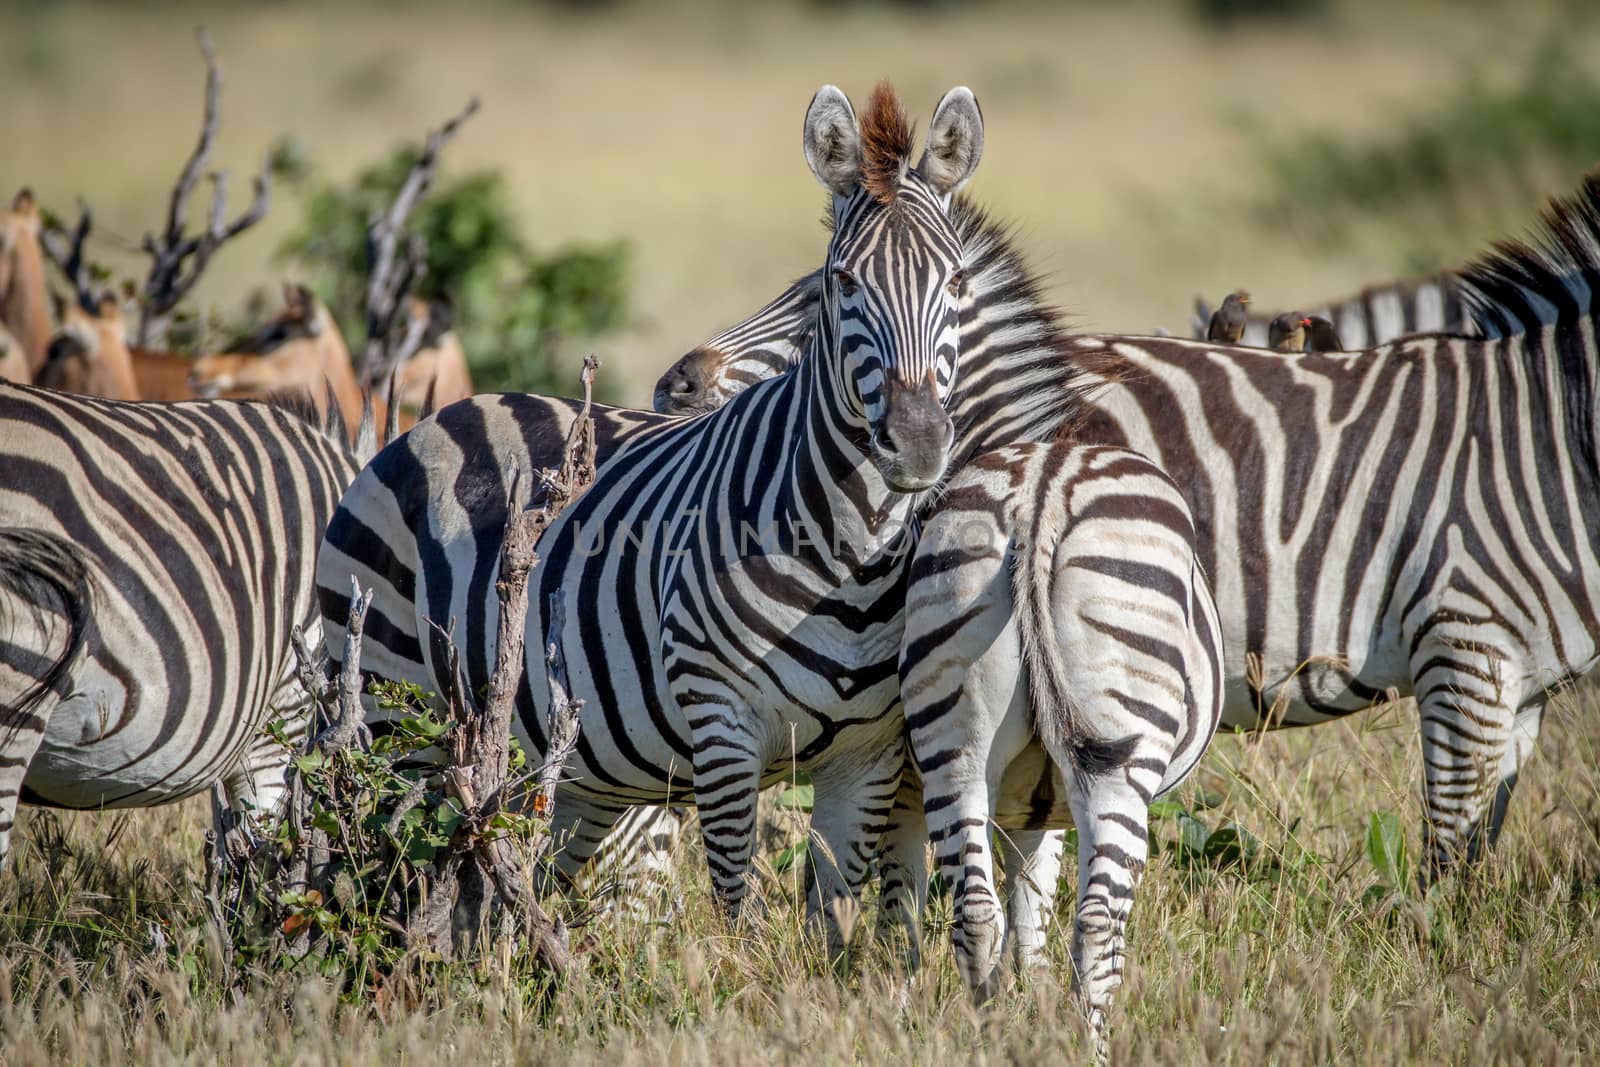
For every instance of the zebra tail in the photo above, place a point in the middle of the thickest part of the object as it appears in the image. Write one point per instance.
(1057, 718)
(34, 566)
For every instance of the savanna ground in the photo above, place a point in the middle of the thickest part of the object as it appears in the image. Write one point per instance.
(1146, 157)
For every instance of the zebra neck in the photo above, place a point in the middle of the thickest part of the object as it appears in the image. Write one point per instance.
(830, 487)
(1015, 383)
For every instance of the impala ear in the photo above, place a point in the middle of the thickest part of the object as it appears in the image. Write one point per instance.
(955, 141)
(833, 141)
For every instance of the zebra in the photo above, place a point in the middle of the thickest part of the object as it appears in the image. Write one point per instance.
(1376, 315)
(1055, 594)
(422, 526)
(1123, 533)
(679, 706)
(153, 559)
(1360, 520)
(403, 529)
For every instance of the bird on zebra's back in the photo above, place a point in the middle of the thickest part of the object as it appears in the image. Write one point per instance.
(1374, 316)
(1227, 322)
(1388, 611)
(1287, 331)
(702, 668)
(1321, 336)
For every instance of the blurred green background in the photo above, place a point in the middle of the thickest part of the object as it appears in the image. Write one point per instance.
(645, 158)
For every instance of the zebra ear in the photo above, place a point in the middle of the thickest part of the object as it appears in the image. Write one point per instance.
(955, 141)
(833, 141)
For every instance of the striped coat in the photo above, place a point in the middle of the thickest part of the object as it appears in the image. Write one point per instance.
(153, 559)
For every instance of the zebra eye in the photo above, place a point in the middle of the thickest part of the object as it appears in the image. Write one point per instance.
(953, 287)
(847, 282)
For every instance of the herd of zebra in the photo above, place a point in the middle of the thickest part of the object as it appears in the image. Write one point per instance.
(981, 577)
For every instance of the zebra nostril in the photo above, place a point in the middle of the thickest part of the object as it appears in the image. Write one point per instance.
(683, 387)
(886, 443)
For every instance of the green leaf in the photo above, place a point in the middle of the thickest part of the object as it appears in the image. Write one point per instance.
(448, 817)
(1166, 809)
(311, 761)
(1192, 835)
(790, 856)
(424, 726)
(1386, 850)
(327, 822)
(1230, 846)
(797, 798)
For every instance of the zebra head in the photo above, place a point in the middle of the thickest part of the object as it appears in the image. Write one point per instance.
(888, 327)
(761, 347)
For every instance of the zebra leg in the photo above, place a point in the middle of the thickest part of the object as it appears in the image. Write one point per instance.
(854, 801)
(958, 822)
(1467, 728)
(579, 824)
(1112, 817)
(1524, 739)
(17, 747)
(903, 870)
(728, 761)
(1031, 860)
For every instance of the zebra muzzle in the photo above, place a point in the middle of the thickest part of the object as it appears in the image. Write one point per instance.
(911, 441)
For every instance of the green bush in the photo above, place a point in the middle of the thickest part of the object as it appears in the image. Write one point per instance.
(520, 312)
(1227, 11)
(1464, 141)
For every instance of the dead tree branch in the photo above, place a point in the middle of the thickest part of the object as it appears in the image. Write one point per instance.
(177, 259)
(66, 252)
(435, 879)
(396, 261)
(347, 724)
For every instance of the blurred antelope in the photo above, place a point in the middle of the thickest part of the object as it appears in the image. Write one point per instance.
(89, 353)
(437, 375)
(24, 309)
(13, 360)
(295, 353)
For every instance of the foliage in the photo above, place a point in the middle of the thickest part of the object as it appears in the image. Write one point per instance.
(387, 823)
(1442, 152)
(519, 312)
(1228, 11)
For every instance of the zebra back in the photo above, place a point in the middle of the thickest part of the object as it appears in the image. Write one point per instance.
(1375, 316)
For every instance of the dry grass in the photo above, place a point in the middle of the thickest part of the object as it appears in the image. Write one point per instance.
(1290, 967)
(1113, 131)
(1112, 136)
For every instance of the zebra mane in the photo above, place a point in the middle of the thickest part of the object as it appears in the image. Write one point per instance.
(299, 406)
(1551, 276)
(885, 144)
(1028, 363)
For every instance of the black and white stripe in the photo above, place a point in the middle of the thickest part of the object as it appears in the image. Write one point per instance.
(1416, 520)
(1056, 594)
(716, 649)
(155, 558)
